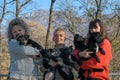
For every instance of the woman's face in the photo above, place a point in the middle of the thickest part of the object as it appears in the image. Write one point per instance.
(95, 29)
(17, 30)
(59, 37)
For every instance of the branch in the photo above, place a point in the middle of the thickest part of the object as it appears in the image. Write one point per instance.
(10, 2)
(3, 11)
(89, 13)
(98, 4)
(22, 5)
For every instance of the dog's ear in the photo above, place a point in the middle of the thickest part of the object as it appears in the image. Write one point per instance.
(26, 37)
(76, 37)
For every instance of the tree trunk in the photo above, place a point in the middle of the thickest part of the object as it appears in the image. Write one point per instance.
(98, 12)
(49, 24)
(17, 8)
(3, 12)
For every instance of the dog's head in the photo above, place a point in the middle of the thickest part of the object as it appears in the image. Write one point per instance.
(22, 39)
(79, 42)
(96, 37)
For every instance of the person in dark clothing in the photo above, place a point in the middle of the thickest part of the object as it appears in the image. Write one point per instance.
(57, 69)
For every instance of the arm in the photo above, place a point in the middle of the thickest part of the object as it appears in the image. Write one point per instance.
(17, 49)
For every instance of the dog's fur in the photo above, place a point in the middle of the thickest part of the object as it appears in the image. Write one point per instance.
(25, 40)
(92, 45)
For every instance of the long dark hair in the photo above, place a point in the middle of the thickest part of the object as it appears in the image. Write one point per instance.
(93, 23)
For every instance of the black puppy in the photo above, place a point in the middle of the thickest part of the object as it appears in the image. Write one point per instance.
(92, 45)
(69, 58)
(66, 54)
(25, 40)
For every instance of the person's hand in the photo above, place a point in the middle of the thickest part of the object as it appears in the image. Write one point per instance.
(53, 63)
(85, 53)
(17, 36)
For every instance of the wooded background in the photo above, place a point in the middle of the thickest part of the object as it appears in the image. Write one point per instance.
(72, 15)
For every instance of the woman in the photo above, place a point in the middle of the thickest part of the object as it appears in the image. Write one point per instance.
(58, 70)
(91, 69)
(22, 54)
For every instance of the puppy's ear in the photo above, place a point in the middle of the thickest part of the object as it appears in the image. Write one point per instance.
(27, 37)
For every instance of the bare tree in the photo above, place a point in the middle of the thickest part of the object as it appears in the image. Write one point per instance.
(116, 8)
(93, 8)
(98, 11)
(19, 6)
(3, 11)
(49, 24)
(70, 12)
